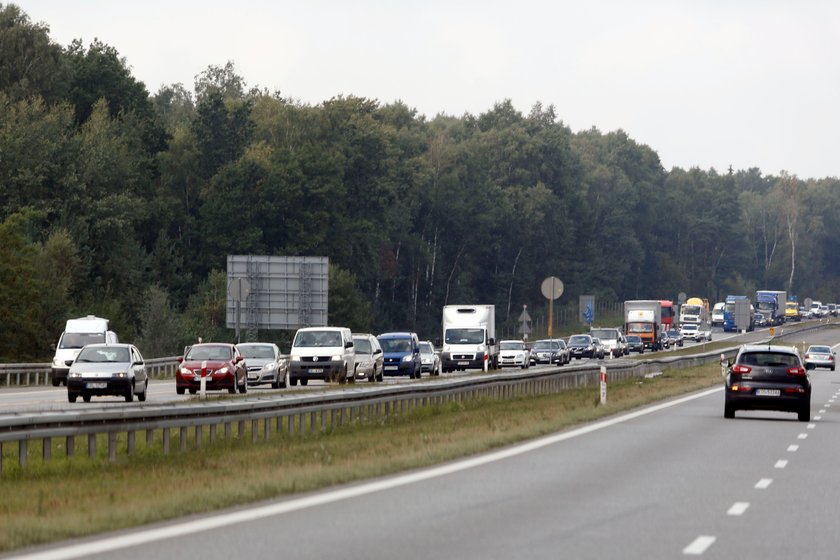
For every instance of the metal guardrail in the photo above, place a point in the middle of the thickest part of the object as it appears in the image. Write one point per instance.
(305, 412)
(27, 375)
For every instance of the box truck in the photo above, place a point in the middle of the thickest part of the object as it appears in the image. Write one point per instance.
(469, 338)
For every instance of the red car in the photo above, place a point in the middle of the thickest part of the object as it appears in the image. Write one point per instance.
(223, 365)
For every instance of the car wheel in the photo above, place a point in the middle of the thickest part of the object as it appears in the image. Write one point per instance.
(342, 377)
(380, 377)
(72, 397)
(728, 411)
(243, 388)
(304, 381)
(142, 396)
(832, 368)
(285, 382)
(129, 394)
(293, 380)
(56, 382)
(86, 398)
(193, 390)
(804, 415)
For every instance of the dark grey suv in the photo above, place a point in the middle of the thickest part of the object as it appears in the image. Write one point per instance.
(765, 377)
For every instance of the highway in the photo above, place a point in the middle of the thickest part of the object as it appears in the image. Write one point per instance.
(671, 480)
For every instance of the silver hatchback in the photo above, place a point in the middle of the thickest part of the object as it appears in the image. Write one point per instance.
(265, 364)
(370, 361)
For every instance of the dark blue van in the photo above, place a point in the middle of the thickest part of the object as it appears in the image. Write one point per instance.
(402, 354)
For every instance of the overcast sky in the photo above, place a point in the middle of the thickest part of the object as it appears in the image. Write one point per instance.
(705, 83)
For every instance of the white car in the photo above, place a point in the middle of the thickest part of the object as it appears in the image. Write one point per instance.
(693, 332)
(717, 314)
(514, 353)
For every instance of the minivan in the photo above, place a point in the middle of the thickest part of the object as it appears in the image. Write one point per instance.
(402, 353)
(324, 353)
(77, 333)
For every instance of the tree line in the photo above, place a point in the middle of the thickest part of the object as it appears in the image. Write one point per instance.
(125, 204)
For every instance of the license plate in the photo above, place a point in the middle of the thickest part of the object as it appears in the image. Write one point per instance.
(768, 392)
(391, 368)
(463, 363)
(97, 385)
(316, 370)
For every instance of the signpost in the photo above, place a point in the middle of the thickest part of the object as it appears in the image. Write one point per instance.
(603, 379)
(551, 288)
(525, 320)
(239, 290)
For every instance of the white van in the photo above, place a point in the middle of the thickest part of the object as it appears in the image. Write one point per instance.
(77, 333)
(322, 353)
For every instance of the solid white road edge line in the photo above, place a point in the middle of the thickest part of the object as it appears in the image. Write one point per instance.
(699, 545)
(222, 520)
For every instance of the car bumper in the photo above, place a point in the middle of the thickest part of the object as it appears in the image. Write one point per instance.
(784, 402)
(821, 363)
(519, 361)
(462, 361)
(401, 368)
(98, 385)
(312, 370)
(260, 377)
(212, 383)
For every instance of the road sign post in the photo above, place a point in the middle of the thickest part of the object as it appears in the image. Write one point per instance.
(203, 385)
(551, 288)
(603, 379)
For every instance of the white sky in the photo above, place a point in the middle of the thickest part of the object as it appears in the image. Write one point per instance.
(705, 83)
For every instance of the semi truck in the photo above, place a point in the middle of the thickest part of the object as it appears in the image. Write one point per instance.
(738, 314)
(469, 338)
(771, 304)
(792, 310)
(695, 311)
(643, 319)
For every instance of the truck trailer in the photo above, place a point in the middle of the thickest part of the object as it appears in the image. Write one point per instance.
(643, 319)
(771, 304)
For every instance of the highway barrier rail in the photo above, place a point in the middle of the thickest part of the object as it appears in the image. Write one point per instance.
(39, 374)
(117, 428)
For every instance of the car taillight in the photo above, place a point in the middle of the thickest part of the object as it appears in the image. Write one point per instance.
(807, 356)
(799, 370)
(741, 369)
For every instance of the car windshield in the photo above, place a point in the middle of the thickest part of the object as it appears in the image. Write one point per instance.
(464, 336)
(427, 348)
(362, 345)
(769, 359)
(512, 346)
(819, 350)
(78, 340)
(605, 334)
(208, 353)
(546, 345)
(262, 351)
(395, 345)
(321, 339)
(634, 338)
(580, 339)
(103, 354)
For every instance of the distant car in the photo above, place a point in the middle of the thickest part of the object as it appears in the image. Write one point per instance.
(548, 351)
(760, 320)
(265, 364)
(402, 353)
(675, 337)
(832, 309)
(514, 353)
(693, 332)
(369, 357)
(108, 369)
(429, 359)
(220, 363)
(717, 314)
(635, 343)
(581, 346)
(820, 356)
(600, 348)
(767, 377)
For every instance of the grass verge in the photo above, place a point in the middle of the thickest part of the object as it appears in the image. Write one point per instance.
(63, 499)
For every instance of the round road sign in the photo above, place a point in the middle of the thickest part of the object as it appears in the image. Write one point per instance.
(239, 289)
(552, 287)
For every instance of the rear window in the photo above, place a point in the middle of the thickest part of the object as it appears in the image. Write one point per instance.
(769, 359)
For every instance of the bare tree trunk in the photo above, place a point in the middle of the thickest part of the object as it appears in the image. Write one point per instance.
(452, 273)
(792, 236)
(512, 276)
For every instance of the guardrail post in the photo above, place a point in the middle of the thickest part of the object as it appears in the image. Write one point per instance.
(1, 456)
(279, 426)
(166, 441)
(47, 448)
(240, 429)
(212, 433)
(23, 452)
(182, 437)
(266, 428)
(70, 445)
(227, 431)
(199, 436)
(150, 437)
(129, 446)
(290, 424)
(254, 430)
(112, 446)
(91, 445)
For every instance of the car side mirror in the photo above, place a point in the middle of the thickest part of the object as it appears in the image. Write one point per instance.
(68, 363)
(377, 351)
(238, 359)
(180, 359)
(348, 344)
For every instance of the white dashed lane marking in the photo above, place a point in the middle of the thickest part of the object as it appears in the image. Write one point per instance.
(699, 546)
(793, 448)
(738, 508)
(781, 463)
(802, 436)
(763, 484)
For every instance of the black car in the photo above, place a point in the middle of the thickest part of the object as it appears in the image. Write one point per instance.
(549, 351)
(765, 377)
(581, 346)
(635, 344)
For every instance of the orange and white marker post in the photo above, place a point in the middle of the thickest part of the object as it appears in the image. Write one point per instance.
(603, 377)
(203, 386)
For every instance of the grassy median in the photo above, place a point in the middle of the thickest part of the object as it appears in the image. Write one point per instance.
(62, 498)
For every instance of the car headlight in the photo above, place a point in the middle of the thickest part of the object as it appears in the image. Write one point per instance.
(407, 358)
(270, 366)
(294, 358)
(186, 371)
(365, 364)
(335, 358)
(74, 374)
(223, 370)
(120, 374)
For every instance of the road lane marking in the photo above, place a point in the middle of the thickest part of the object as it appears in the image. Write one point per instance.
(822, 411)
(811, 426)
(802, 436)
(218, 520)
(781, 463)
(818, 418)
(793, 448)
(738, 508)
(763, 484)
(699, 546)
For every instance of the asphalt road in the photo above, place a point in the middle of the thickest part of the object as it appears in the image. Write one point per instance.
(672, 480)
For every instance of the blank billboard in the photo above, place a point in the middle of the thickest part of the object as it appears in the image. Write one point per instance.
(283, 292)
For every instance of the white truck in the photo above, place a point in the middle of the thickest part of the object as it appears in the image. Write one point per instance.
(77, 333)
(694, 320)
(469, 338)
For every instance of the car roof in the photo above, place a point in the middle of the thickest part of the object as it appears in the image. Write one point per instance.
(396, 335)
(110, 344)
(768, 348)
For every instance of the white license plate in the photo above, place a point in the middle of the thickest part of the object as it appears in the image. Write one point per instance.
(463, 363)
(391, 368)
(97, 385)
(316, 370)
(768, 392)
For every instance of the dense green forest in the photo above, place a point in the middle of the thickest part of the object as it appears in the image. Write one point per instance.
(122, 203)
